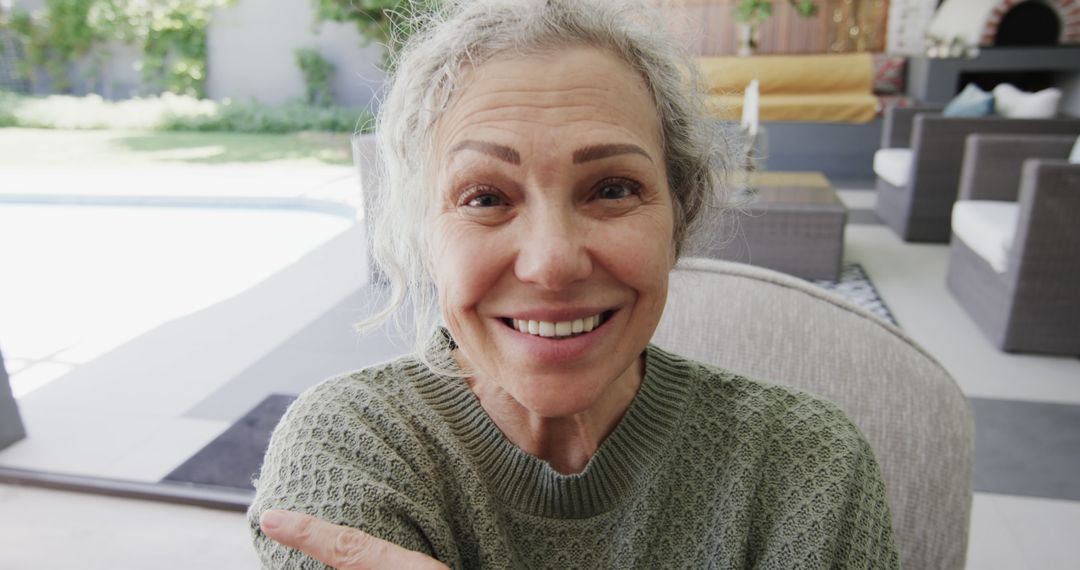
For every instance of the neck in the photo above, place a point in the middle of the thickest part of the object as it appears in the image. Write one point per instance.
(567, 443)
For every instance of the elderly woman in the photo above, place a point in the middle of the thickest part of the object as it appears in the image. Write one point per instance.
(544, 163)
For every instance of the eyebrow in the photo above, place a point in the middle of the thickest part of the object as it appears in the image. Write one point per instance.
(501, 152)
(599, 151)
(589, 153)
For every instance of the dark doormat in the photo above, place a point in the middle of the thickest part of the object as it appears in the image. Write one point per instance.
(233, 459)
(1027, 448)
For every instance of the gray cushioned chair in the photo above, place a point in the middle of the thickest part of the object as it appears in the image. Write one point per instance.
(773, 327)
(920, 211)
(1034, 306)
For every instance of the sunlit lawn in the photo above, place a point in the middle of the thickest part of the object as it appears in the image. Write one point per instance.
(48, 147)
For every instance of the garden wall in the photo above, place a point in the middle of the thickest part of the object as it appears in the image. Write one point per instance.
(250, 56)
(251, 47)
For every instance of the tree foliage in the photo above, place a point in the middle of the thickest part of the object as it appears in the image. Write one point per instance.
(317, 71)
(758, 11)
(54, 37)
(171, 35)
(387, 23)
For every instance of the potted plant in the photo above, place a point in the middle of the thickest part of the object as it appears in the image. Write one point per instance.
(750, 14)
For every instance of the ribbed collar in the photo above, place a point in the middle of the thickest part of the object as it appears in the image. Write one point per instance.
(625, 461)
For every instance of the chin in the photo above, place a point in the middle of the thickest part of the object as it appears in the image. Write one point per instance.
(563, 395)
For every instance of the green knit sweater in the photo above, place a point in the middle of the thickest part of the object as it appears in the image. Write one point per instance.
(705, 470)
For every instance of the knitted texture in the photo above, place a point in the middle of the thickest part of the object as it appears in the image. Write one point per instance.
(706, 469)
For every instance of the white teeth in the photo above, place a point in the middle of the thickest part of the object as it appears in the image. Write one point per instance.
(549, 329)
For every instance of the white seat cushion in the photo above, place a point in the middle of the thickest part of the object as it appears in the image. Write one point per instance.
(988, 228)
(893, 165)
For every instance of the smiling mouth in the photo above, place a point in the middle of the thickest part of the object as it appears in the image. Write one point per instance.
(561, 329)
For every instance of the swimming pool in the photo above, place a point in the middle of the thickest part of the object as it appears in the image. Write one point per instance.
(79, 280)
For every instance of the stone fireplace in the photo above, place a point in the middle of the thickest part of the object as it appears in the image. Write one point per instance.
(1032, 44)
(1033, 23)
(961, 25)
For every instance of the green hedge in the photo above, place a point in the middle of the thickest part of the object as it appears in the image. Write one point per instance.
(8, 102)
(175, 113)
(258, 118)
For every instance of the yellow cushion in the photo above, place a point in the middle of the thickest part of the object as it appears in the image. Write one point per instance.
(824, 73)
(810, 107)
(776, 178)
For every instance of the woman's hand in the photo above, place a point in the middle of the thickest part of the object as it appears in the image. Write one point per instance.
(340, 547)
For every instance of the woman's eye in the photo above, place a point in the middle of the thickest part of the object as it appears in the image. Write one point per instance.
(484, 200)
(616, 190)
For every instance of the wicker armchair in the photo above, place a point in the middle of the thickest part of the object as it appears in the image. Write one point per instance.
(1031, 302)
(920, 208)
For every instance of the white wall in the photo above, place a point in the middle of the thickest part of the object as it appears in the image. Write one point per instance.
(963, 20)
(907, 24)
(251, 47)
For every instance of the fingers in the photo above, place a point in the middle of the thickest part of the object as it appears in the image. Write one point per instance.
(340, 547)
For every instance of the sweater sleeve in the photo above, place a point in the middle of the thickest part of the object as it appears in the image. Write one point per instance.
(822, 501)
(342, 455)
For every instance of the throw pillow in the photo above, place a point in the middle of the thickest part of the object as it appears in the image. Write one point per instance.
(971, 102)
(1074, 156)
(1016, 104)
(889, 74)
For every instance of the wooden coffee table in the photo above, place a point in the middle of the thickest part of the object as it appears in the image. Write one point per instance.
(788, 221)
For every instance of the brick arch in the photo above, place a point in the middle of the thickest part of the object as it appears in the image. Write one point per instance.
(1067, 10)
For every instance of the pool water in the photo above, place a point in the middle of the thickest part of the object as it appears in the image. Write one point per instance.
(77, 281)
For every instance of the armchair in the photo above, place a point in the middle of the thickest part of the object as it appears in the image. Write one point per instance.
(918, 165)
(778, 328)
(1014, 260)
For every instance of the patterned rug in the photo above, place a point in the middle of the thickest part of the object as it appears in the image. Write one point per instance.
(855, 286)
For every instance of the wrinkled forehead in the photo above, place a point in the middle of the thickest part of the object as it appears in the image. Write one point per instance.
(515, 95)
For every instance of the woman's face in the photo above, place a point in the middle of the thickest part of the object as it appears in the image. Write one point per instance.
(551, 240)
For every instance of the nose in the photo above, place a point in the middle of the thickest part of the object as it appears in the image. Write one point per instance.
(553, 249)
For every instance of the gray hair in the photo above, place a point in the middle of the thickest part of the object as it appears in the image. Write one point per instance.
(463, 34)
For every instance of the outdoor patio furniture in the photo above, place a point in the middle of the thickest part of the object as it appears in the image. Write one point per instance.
(787, 221)
(1014, 261)
(918, 165)
(780, 329)
(11, 427)
(828, 88)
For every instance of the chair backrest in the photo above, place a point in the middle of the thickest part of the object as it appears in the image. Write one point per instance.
(774, 327)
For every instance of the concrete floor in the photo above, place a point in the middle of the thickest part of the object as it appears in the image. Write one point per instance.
(55, 529)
